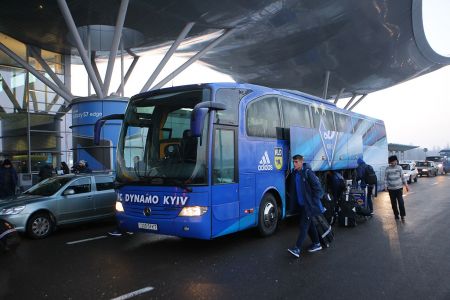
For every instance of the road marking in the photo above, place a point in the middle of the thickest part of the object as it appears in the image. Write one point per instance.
(435, 183)
(87, 240)
(135, 293)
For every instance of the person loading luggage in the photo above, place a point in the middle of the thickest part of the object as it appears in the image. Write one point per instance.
(394, 182)
(365, 173)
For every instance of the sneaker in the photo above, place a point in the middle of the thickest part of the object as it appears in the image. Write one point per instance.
(115, 233)
(396, 217)
(130, 233)
(315, 247)
(295, 251)
(403, 218)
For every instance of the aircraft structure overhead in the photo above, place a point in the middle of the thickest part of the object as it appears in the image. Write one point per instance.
(323, 47)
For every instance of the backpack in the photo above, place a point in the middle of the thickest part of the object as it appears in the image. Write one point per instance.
(308, 175)
(369, 175)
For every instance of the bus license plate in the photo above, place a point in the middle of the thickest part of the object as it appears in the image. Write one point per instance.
(148, 226)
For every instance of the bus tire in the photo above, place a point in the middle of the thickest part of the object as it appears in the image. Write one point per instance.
(268, 215)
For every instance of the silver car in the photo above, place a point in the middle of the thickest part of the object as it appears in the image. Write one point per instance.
(60, 200)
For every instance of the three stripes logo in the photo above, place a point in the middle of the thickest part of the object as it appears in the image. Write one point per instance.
(264, 163)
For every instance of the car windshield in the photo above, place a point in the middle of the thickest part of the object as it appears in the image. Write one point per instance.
(423, 164)
(156, 146)
(405, 166)
(49, 186)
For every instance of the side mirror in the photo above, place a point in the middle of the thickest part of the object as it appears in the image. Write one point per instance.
(100, 122)
(69, 192)
(199, 113)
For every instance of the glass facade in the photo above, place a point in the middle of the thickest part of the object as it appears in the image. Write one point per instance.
(34, 120)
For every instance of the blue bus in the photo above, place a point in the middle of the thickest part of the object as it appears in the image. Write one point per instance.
(202, 161)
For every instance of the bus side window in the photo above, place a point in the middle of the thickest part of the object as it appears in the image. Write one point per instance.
(263, 118)
(324, 115)
(224, 160)
(231, 98)
(295, 114)
(343, 123)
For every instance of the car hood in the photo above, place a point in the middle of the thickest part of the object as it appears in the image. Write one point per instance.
(22, 200)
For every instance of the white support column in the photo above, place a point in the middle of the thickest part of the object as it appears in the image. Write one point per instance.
(168, 55)
(79, 44)
(359, 100)
(122, 68)
(115, 44)
(338, 95)
(325, 85)
(49, 71)
(350, 101)
(33, 71)
(128, 73)
(193, 59)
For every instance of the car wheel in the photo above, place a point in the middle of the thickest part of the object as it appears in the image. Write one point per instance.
(415, 178)
(268, 215)
(39, 226)
(410, 179)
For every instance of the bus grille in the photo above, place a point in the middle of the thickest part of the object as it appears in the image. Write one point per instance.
(158, 212)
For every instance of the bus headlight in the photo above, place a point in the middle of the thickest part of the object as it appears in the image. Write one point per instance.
(439, 165)
(193, 211)
(119, 206)
(425, 170)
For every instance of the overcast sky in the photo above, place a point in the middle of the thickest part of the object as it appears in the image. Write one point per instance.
(416, 112)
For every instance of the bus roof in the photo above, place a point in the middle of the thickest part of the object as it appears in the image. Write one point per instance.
(253, 87)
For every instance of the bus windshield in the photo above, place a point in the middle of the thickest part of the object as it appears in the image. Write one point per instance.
(156, 146)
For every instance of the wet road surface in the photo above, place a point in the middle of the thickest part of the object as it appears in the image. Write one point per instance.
(381, 258)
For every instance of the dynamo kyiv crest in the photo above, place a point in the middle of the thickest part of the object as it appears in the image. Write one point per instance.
(278, 157)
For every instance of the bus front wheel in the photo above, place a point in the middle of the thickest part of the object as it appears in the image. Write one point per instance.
(268, 215)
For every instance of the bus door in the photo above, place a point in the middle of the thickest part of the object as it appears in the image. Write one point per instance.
(306, 142)
(224, 189)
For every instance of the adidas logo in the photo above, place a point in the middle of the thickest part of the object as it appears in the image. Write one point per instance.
(264, 163)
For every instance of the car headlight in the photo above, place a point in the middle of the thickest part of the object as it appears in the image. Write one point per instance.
(193, 211)
(119, 206)
(439, 165)
(12, 210)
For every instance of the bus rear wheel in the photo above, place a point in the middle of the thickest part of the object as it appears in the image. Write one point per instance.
(268, 215)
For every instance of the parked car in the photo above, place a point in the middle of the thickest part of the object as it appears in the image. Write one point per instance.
(409, 171)
(441, 162)
(60, 200)
(426, 168)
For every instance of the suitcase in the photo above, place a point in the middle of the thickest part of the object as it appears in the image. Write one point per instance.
(330, 208)
(326, 235)
(347, 210)
(360, 196)
(9, 237)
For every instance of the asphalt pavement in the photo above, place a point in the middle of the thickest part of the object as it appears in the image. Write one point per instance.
(381, 258)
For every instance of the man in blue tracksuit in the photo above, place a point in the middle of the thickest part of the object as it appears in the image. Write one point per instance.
(306, 188)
